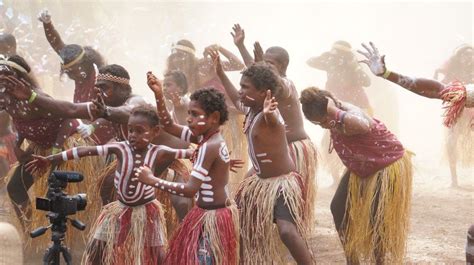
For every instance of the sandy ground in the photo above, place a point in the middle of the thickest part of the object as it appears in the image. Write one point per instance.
(440, 218)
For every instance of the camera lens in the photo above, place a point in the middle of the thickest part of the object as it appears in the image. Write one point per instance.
(81, 200)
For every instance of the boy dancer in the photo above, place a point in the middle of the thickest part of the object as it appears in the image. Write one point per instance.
(209, 233)
(275, 192)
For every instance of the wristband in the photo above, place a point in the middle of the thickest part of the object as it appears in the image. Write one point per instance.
(386, 73)
(32, 97)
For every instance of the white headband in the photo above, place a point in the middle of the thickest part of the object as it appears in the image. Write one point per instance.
(4, 61)
(183, 48)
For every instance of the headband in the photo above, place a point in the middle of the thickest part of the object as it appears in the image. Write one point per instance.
(113, 78)
(4, 61)
(75, 61)
(178, 47)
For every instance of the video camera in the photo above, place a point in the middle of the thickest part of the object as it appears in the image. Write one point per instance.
(59, 205)
(57, 201)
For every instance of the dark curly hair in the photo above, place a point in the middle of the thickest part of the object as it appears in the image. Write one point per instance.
(147, 111)
(210, 100)
(314, 102)
(180, 79)
(263, 77)
(119, 71)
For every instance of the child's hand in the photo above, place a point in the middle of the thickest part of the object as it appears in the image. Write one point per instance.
(38, 163)
(44, 17)
(217, 61)
(144, 175)
(257, 52)
(238, 35)
(236, 164)
(154, 84)
(270, 104)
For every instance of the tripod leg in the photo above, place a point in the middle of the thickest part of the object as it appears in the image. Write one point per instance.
(66, 255)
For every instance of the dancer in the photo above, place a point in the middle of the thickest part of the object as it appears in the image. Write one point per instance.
(458, 101)
(209, 233)
(372, 202)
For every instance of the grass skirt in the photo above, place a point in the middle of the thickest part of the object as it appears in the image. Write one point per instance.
(127, 235)
(220, 227)
(256, 199)
(305, 156)
(381, 227)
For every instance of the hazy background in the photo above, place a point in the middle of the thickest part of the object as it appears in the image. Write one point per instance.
(416, 38)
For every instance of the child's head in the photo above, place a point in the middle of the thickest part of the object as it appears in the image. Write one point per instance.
(175, 82)
(78, 61)
(7, 44)
(278, 58)
(207, 110)
(143, 126)
(314, 102)
(255, 82)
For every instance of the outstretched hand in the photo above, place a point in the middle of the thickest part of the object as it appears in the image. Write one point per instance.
(18, 88)
(154, 84)
(236, 164)
(39, 163)
(375, 62)
(270, 104)
(257, 52)
(238, 35)
(144, 175)
(44, 17)
(98, 108)
(217, 61)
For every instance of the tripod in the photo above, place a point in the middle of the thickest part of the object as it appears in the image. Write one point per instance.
(58, 229)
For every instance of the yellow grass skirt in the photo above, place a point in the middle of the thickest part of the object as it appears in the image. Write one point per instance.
(385, 228)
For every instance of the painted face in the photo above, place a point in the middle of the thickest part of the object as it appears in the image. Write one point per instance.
(170, 87)
(107, 90)
(177, 61)
(249, 95)
(140, 132)
(198, 121)
(76, 72)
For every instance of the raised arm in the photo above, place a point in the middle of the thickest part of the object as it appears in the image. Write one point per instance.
(422, 86)
(166, 120)
(201, 167)
(118, 114)
(270, 110)
(58, 108)
(320, 62)
(230, 90)
(40, 162)
(51, 33)
(239, 37)
(233, 63)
